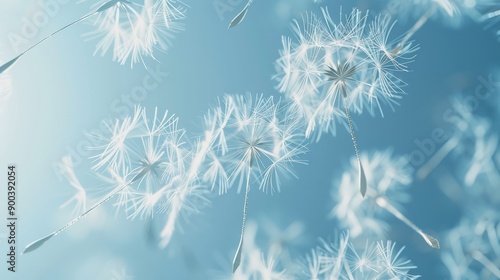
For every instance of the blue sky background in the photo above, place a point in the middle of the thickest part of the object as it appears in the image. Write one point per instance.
(61, 91)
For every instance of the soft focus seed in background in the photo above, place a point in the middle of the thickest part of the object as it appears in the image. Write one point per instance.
(388, 180)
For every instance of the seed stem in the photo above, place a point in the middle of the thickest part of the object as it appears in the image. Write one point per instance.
(362, 177)
(102, 8)
(237, 255)
(37, 243)
(384, 203)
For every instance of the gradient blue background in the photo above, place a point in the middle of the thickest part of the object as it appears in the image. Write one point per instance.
(61, 91)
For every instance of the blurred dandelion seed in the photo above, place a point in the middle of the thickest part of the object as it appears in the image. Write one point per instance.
(388, 178)
(423, 10)
(240, 16)
(80, 197)
(468, 127)
(454, 12)
(121, 275)
(472, 247)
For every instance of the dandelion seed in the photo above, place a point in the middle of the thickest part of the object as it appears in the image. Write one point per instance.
(38, 243)
(338, 68)
(468, 128)
(388, 178)
(134, 156)
(257, 140)
(143, 33)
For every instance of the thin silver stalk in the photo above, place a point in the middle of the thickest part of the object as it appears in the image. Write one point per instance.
(361, 177)
(102, 8)
(384, 203)
(39, 242)
(237, 255)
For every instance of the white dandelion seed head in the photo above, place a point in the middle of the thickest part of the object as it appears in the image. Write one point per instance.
(140, 152)
(252, 134)
(132, 30)
(152, 167)
(327, 62)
